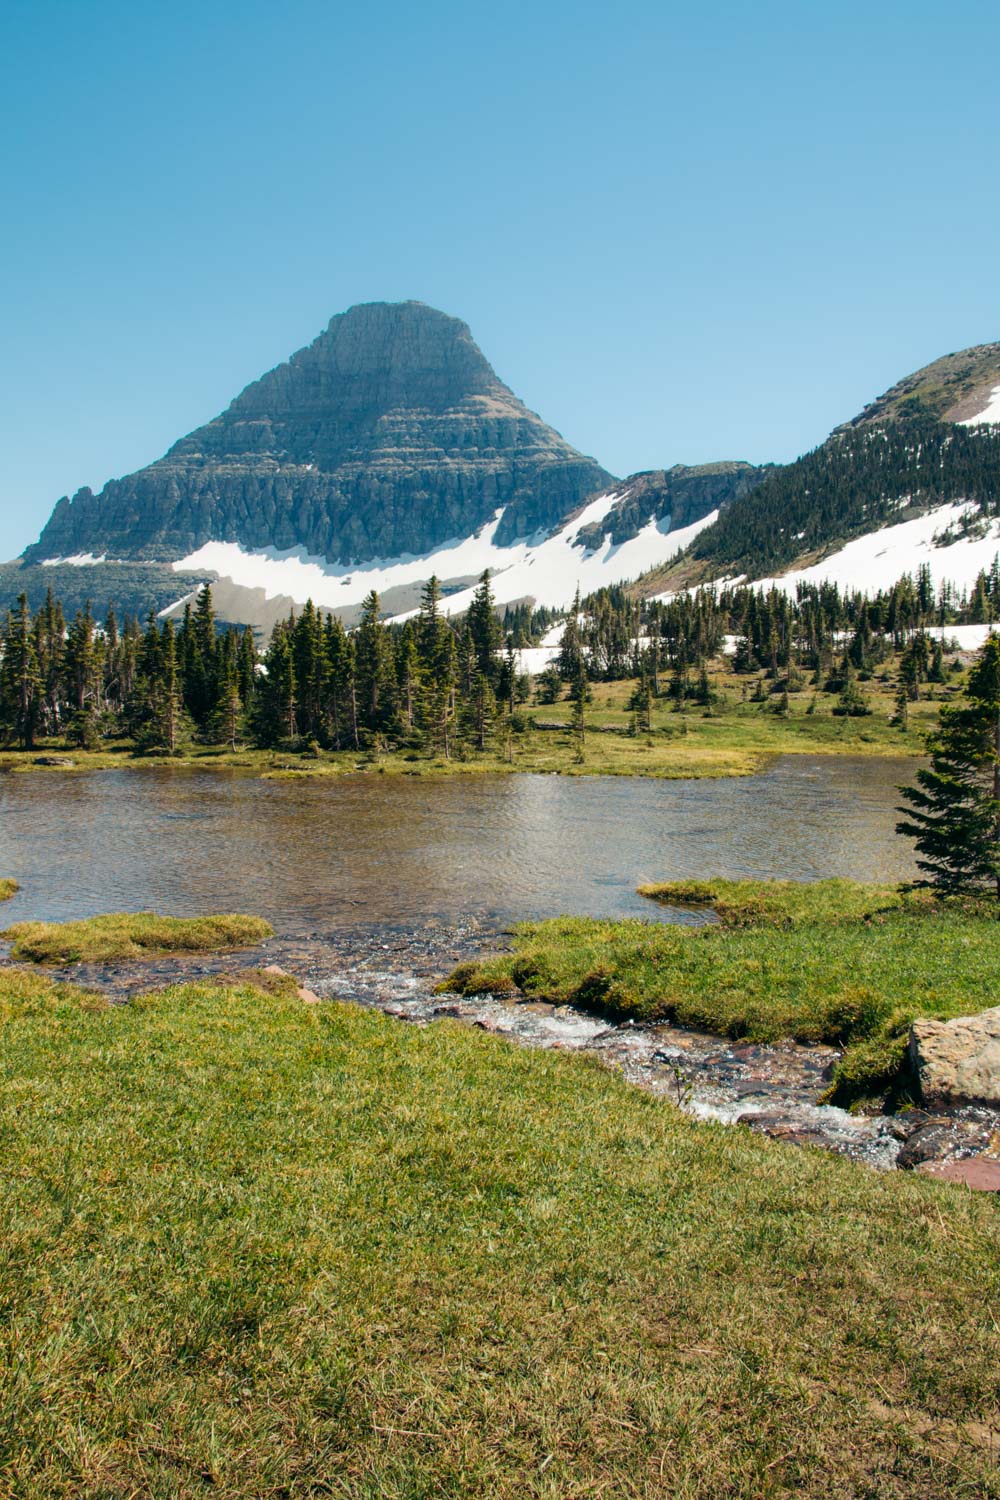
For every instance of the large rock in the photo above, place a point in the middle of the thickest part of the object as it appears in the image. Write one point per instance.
(388, 435)
(958, 1061)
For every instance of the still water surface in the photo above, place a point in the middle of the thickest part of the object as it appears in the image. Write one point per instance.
(331, 856)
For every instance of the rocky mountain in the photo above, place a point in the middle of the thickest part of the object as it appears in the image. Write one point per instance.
(389, 435)
(681, 496)
(386, 451)
(914, 479)
(962, 387)
(389, 450)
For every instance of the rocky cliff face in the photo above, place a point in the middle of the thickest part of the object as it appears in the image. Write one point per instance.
(388, 435)
(681, 495)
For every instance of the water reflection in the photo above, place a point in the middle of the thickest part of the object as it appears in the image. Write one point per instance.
(332, 855)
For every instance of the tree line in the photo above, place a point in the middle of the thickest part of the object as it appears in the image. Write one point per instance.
(430, 682)
(854, 482)
(443, 684)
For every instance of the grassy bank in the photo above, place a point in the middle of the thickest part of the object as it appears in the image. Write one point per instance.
(127, 935)
(733, 738)
(252, 1247)
(825, 962)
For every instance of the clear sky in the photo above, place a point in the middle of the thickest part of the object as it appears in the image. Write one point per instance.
(680, 232)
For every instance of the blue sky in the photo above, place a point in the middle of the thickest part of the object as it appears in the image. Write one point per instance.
(679, 233)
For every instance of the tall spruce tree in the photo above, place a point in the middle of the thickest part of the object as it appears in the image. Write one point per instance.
(485, 630)
(20, 678)
(954, 809)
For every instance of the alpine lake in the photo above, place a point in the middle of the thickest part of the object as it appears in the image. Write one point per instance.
(377, 886)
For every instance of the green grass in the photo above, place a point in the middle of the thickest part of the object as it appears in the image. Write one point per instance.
(250, 1247)
(8, 888)
(124, 935)
(735, 739)
(830, 961)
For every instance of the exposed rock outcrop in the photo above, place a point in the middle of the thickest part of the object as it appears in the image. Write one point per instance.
(958, 1061)
(680, 496)
(388, 435)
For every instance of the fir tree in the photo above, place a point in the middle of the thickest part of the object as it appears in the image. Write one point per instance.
(954, 809)
(570, 657)
(20, 679)
(484, 629)
(578, 726)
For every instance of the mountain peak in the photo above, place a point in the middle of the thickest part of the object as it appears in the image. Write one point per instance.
(387, 435)
(957, 387)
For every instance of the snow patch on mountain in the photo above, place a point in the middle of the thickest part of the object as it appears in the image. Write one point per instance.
(877, 560)
(547, 569)
(989, 413)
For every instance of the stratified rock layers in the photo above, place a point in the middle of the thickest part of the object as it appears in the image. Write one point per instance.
(389, 434)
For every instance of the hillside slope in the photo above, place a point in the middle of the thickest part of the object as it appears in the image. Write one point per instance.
(914, 479)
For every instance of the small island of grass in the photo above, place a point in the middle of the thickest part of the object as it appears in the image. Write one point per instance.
(827, 962)
(131, 935)
(8, 888)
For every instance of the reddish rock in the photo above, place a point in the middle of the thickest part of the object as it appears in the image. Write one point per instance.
(975, 1172)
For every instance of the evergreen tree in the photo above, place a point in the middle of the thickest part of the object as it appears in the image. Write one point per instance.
(484, 630)
(374, 670)
(275, 707)
(570, 658)
(954, 809)
(20, 679)
(578, 727)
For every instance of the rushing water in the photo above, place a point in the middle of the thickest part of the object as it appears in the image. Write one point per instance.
(377, 885)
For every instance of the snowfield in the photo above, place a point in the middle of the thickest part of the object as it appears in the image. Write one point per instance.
(876, 561)
(989, 413)
(547, 569)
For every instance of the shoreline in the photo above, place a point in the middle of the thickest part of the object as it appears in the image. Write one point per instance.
(698, 763)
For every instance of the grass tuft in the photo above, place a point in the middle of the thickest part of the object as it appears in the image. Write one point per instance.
(8, 888)
(251, 1247)
(831, 961)
(130, 935)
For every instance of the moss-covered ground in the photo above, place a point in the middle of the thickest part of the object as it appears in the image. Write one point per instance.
(830, 961)
(129, 935)
(250, 1247)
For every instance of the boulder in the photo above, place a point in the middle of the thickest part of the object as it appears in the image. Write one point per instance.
(958, 1061)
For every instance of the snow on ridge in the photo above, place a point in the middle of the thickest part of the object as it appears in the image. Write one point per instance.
(78, 560)
(876, 560)
(989, 413)
(546, 568)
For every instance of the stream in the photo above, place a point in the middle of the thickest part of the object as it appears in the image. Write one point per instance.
(377, 887)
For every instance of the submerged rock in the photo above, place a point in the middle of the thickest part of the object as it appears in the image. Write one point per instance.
(958, 1061)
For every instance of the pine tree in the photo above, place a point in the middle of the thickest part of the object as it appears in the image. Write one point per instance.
(954, 811)
(20, 679)
(570, 657)
(275, 708)
(484, 629)
(577, 723)
(226, 722)
(374, 670)
(482, 707)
